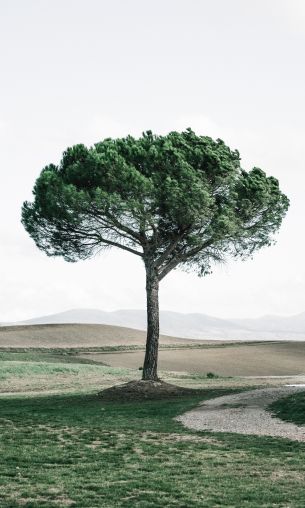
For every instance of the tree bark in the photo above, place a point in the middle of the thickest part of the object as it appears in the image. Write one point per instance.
(152, 342)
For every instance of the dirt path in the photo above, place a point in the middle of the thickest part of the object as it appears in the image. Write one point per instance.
(244, 413)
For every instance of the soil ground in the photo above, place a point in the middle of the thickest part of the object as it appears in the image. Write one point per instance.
(145, 390)
(76, 335)
(262, 359)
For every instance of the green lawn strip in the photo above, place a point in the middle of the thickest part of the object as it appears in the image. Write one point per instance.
(39, 355)
(30, 377)
(83, 452)
(291, 409)
(127, 347)
(26, 369)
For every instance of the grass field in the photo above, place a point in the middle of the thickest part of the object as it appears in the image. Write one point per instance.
(70, 448)
(61, 445)
(75, 451)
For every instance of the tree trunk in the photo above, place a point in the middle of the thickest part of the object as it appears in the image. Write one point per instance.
(152, 341)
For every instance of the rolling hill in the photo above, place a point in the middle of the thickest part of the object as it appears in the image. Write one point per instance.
(75, 335)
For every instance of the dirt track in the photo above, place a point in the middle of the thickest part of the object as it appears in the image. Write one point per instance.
(244, 413)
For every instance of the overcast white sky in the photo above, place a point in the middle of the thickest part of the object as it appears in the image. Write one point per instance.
(80, 70)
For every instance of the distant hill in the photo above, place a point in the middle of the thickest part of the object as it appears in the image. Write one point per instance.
(195, 326)
(271, 323)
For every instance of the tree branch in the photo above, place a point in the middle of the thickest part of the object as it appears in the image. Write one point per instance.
(181, 257)
(81, 234)
(172, 246)
(116, 223)
(120, 246)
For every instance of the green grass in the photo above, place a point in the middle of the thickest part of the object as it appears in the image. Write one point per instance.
(291, 409)
(198, 376)
(42, 372)
(79, 451)
(25, 369)
(39, 355)
(128, 347)
(73, 449)
(46, 376)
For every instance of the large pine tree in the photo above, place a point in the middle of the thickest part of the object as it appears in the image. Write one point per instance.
(179, 200)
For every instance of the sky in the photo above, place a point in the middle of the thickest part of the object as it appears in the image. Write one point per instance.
(77, 71)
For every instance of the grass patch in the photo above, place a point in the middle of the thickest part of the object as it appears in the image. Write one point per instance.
(56, 356)
(198, 376)
(290, 409)
(132, 347)
(36, 376)
(39, 371)
(23, 369)
(80, 451)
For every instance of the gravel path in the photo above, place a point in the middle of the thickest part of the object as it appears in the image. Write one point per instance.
(244, 413)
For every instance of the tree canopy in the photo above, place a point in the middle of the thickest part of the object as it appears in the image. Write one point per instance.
(177, 200)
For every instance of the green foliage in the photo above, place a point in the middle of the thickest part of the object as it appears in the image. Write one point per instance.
(211, 375)
(179, 199)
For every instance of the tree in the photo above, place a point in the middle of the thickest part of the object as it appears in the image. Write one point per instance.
(175, 200)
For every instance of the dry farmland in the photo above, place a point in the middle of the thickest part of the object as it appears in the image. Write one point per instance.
(180, 355)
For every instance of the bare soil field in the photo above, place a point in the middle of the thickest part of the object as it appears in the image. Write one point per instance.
(263, 359)
(77, 335)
